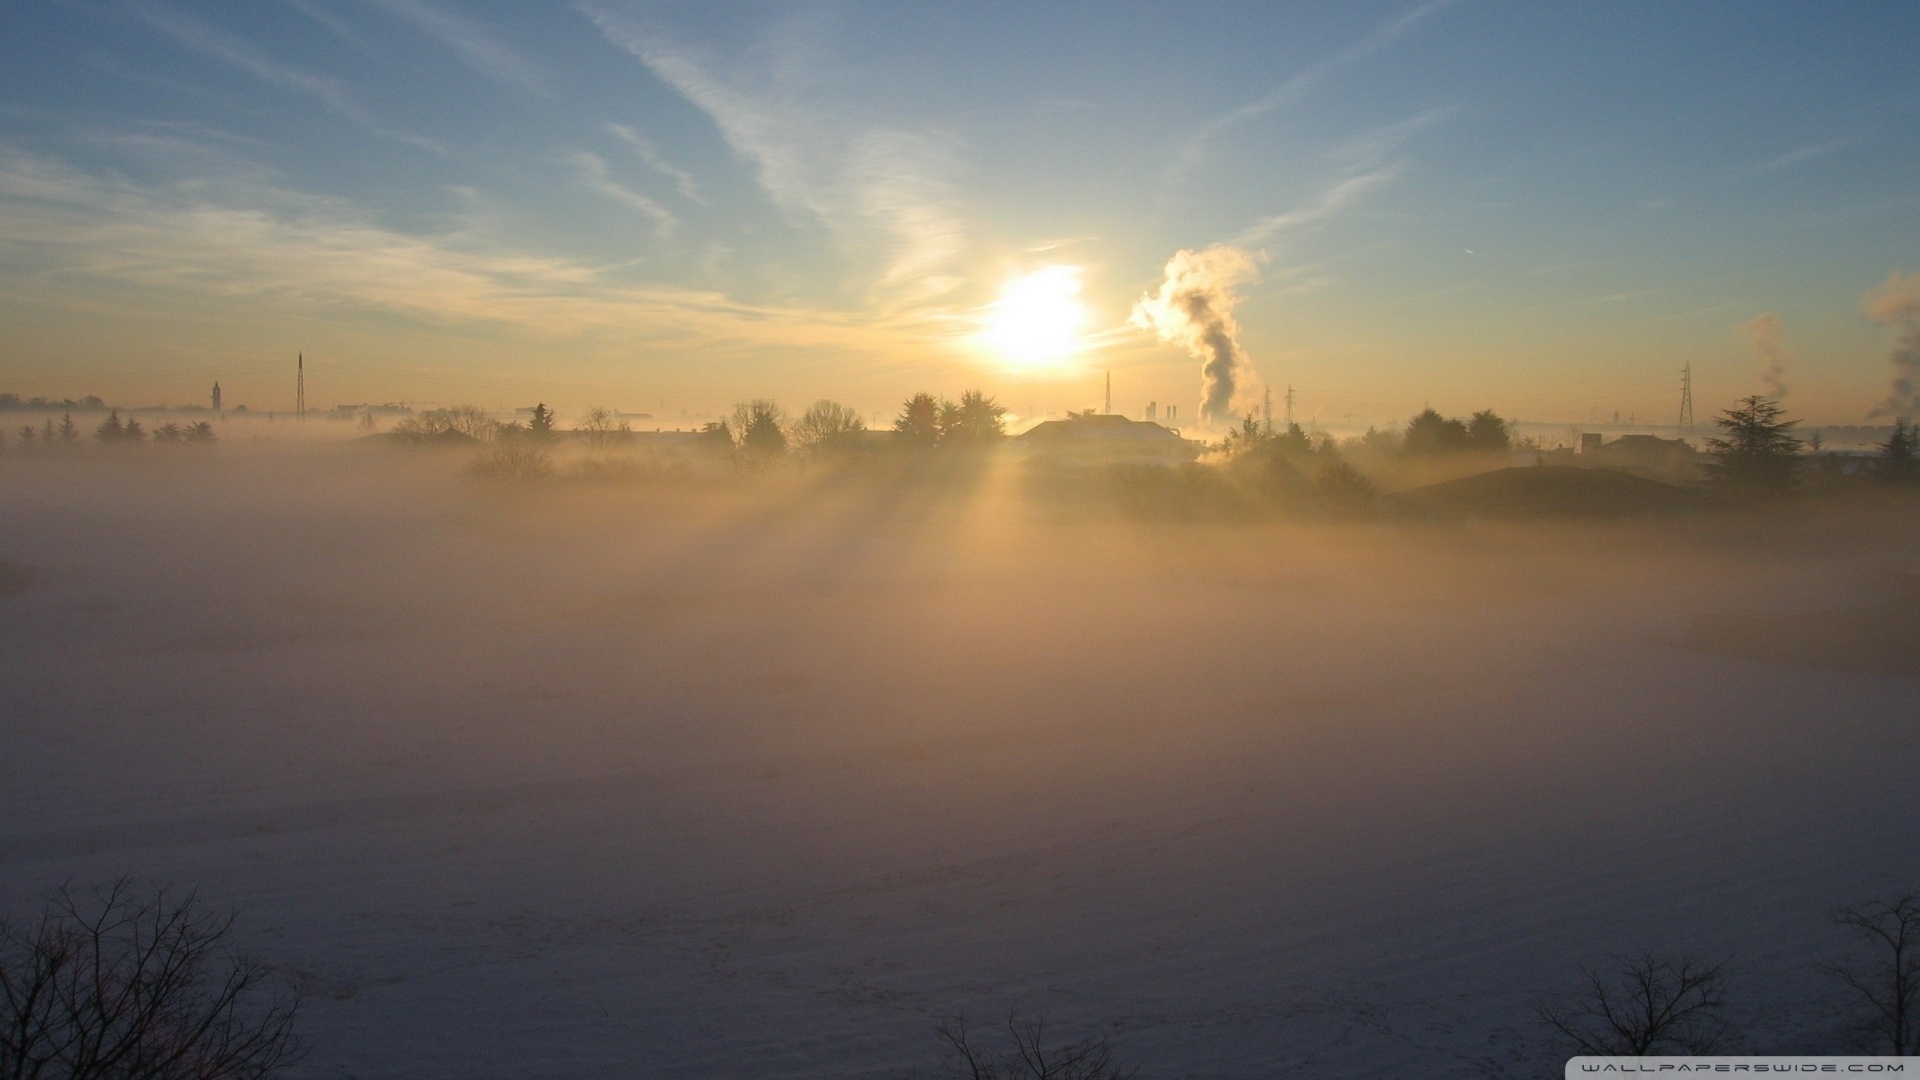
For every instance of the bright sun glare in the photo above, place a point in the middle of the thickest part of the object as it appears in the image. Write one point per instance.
(1038, 319)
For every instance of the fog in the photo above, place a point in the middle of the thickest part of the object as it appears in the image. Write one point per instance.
(690, 774)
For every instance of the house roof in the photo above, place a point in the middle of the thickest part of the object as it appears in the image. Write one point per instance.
(1099, 429)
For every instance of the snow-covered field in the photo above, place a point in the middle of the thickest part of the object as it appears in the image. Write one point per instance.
(764, 781)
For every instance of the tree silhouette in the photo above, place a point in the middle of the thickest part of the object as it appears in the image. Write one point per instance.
(1430, 433)
(1889, 987)
(977, 418)
(715, 439)
(132, 982)
(200, 431)
(601, 426)
(1487, 431)
(827, 427)
(110, 429)
(919, 421)
(760, 426)
(1758, 448)
(1650, 1005)
(1896, 459)
(1028, 1057)
(68, 431)
(540, 424)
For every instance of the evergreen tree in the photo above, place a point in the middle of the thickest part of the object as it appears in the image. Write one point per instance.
(977, 418)
(763, 437)
(1758, 448)
(1896, 460)
(1431, 433)
(1487, 431)
(110, 429)
(68, 430)
(919, 421)
(540, 424)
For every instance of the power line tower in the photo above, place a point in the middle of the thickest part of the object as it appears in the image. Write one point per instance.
(1289, 406)
(1686, 399)
(300, 389)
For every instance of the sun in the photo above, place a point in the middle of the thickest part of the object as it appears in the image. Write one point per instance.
(1038, 319)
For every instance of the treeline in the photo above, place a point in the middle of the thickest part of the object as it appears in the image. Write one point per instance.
(90, 403)
(111, 431)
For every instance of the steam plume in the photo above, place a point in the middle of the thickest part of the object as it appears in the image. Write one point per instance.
(1897, 303)
(1769, 338)
(1194, 310)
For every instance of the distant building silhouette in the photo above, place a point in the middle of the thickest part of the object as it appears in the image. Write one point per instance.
(216, 397)
(1105, 438)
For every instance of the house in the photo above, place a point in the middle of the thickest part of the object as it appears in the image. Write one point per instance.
(1673, 460)
(1097, 439)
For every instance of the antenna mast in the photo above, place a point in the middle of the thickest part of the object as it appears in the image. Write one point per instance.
(1289, 406)
(300, 389)
(1686, 399)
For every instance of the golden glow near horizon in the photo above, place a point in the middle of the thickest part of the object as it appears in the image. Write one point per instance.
(1037, 323)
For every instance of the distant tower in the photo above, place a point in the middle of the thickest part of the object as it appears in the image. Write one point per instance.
(1289, 406)
(1266, 409)
(300, 389)
(1173, 415)
(216, 397)
(1686, 399)
(1108, 410)
(1153, 411)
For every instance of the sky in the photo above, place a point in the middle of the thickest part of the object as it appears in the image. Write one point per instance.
(1543, 208)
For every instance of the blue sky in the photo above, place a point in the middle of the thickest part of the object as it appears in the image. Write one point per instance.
(1543, 208)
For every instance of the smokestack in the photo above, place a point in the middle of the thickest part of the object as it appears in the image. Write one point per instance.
(1194, 310)
(1769, 338)
(1897, 303)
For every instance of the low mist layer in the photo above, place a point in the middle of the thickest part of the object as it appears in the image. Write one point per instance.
(766, 774)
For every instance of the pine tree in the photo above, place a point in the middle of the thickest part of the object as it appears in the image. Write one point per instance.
(110, 429)
(1758, 449)
(919, 420)
(540, 425)
(1896, 460)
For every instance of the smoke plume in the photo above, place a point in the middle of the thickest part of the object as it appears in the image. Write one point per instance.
(1769, 338)
(1897, 303)
(1194, 310)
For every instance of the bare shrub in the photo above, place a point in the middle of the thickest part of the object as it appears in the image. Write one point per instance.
(602, 426)
(1650, 1005)
(1889, 986)
(827, 427)
(511, 461)
(132, 982)
(1028, 1057)
(468, 420)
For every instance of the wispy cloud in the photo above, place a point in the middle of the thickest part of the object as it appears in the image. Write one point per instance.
(1362, 165)
(683, 181)
(882, 191)
(1326, 204)
(72, 233)
(477, 46)
(1293, 89)
(593, 173)
(216, 44)
(1804, 154)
